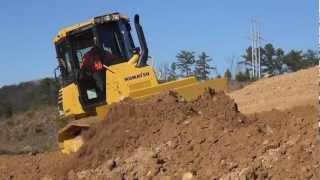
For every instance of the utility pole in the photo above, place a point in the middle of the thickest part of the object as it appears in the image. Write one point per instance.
(259, 55)
(256, 51)
(252, 51)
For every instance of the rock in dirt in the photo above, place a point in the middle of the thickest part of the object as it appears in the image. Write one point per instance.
(187, 176)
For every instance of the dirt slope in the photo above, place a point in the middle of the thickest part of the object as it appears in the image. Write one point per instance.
(279, 92)
(31, 131)
(164, 137)
(207, 138)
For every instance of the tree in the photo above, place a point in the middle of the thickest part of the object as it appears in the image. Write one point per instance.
(6, 110)
(247, 61)
(311, 58)
(228, 74)
(185, 61)
(172, 72)
(247, 57)
(276, 61)
(279, 61)
(243, 76)
(272, 60)
(294, 60)
(203, 69)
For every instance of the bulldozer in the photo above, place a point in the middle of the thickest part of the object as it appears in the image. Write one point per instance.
(128, 75)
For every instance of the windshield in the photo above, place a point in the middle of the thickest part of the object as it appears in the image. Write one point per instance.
(115, 38)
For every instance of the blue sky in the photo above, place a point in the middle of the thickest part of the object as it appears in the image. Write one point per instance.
(220, 28)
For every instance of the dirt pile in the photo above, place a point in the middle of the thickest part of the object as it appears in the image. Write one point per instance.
(31, 166)
(165, 137)
(279, 92)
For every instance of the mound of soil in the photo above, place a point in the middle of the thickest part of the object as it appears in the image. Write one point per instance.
(166, 137)
(279, 92)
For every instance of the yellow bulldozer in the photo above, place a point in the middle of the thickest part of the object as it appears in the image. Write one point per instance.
(126, 75)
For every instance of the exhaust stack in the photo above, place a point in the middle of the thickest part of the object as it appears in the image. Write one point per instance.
(144, 48)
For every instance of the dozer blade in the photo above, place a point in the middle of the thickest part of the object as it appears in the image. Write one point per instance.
(70, 137)
(188, 88)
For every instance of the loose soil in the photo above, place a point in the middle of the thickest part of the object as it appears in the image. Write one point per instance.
(279, 92)
(164, 137)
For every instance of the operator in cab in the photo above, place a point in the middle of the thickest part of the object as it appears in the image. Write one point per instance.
(93, 62)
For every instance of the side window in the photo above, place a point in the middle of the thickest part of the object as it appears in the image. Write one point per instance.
(67, 59)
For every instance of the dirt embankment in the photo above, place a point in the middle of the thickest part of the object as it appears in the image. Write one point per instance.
(279, 92)
(164, 137)
(32, 131)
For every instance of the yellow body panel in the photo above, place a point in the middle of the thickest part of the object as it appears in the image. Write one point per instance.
(70, 101)
(125, 78)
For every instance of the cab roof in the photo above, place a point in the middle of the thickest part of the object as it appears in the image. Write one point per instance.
(62, 34)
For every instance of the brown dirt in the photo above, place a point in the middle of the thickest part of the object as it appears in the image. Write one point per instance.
(164, 137)
(279, 92)
(200, 137)
(30, 167)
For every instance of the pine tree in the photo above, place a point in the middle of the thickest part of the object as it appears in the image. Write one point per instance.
(228, 74)
(172, 72)
(203, 69)
(294, 60)
(243, 76)
(185, 61)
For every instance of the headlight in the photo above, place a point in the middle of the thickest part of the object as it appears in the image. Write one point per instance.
(115, 17)
(107, 18)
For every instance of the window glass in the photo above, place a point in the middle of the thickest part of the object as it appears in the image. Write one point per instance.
(111, 40)
(81, 52)
(67, 59)
(128, 41)
(81, 44)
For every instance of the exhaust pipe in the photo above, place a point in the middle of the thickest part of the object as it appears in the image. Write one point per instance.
(144, 48)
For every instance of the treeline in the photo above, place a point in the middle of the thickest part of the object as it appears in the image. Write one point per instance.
(187, 63)
(275, 61)
(27, 95)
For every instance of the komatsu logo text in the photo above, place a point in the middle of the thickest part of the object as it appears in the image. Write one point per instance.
(137, 76)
